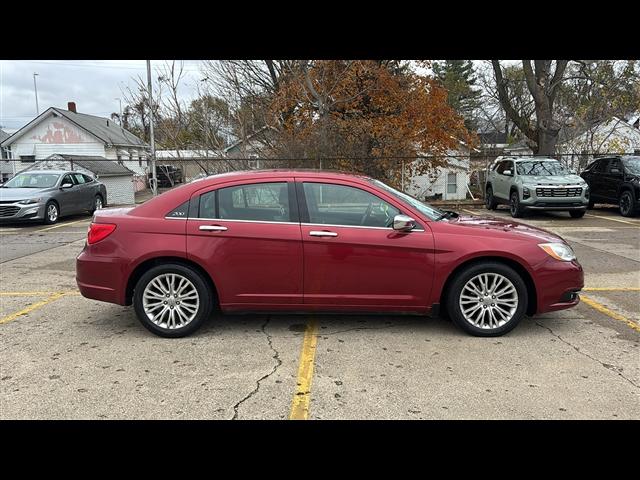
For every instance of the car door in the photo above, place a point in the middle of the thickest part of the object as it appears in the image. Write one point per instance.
(352, 256)
(68, 198)
(612, 179)
(247, 236)
(595, 177)
(84, 192)
(502, 180)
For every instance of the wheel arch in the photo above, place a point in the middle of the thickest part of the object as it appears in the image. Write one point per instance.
(153, 262)
(532, 296)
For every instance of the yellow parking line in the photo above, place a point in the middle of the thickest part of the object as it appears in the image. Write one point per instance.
(60, 225)
(35, 294)
(302, 397)
(621, 289)
(32, 307)
(637, 225)
(610, 313)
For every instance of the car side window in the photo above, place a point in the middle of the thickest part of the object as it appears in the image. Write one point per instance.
(79, 178)
(615, 166)
(267, 202)
(87, 178)
(180, 212)
(601, 166)
(331, 204)
(67, 179)
(208, 205)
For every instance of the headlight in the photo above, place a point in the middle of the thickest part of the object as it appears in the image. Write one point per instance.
(29, 201)
(559, 251)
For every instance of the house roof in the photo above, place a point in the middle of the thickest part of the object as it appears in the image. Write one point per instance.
(98, 165)
(103, 128)
(3, 135)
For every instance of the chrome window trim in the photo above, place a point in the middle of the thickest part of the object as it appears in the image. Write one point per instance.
(241, 221)
(355, 226)
(286, 223)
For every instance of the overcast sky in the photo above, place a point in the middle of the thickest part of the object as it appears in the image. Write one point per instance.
(93, 84)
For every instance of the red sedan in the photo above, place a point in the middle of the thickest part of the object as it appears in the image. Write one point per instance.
(311, 241)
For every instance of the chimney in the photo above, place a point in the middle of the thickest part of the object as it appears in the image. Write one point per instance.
(71, 106)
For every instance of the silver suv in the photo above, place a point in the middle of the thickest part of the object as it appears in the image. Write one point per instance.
(535, 184)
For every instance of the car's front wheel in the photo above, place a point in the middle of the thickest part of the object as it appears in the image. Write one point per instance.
(626, 204)
(487, 299)
(514, 205)
(172, 300)
(51, 213)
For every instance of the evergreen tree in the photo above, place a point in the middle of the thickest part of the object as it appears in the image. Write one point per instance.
(458, 78)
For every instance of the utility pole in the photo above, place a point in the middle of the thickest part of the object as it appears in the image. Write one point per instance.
(120, 117)
(35, 87)
(154, 180)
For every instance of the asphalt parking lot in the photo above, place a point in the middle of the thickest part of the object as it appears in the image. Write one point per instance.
(66, 357)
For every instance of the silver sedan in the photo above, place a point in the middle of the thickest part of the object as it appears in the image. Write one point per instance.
(47, 195)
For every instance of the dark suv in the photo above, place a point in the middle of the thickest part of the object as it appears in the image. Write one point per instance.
(615, 180)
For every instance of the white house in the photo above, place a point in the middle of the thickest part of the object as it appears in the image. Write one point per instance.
(67, 132)
(610, 136)
(443, 183)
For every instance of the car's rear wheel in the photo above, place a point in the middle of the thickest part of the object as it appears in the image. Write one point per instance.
(626, 204)
(51, 213)
(514, 205)
(172, 300)
(487, 299)
(577, 213)
(490, 201)
(97, 204)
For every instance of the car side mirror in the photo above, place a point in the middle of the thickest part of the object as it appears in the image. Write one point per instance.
(403, 223)
(64, 186)
(508, 173)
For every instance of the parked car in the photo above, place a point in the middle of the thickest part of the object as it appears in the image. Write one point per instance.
(615, 180)
(535, 184)
(47, 195)
(293, 241)
(168, 175)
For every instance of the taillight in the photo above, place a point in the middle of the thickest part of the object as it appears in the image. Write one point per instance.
(99, 231)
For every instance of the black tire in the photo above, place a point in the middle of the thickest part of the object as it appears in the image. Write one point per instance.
(98, 198)
(490, 201)
(206, 299)
(49, 219)
(626, 204)
(514, 205)
(591, 205)
(458, 283)
(577, 213)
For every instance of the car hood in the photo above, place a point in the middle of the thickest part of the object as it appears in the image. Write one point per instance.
(20, 193)
(515, 228)
(552, 179)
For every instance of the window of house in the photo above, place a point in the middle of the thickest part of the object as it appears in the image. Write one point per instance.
(452, 182)
(28, 158)
(331, 204)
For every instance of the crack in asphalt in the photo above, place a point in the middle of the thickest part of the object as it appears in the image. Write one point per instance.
(612, 368)
(276, 357)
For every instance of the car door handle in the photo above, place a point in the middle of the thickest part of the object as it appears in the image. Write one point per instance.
(319, 233)
(213, 228)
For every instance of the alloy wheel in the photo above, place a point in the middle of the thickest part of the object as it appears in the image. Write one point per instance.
(52, 213)
(488, 300)
(98, 203)
(171, 301)
(625, 203)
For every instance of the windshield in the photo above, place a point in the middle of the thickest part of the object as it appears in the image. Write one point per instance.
(32, 180)
(429, 211)
(632, 164)
(541, 168)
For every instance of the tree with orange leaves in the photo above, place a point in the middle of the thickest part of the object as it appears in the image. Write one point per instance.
(365, 116)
